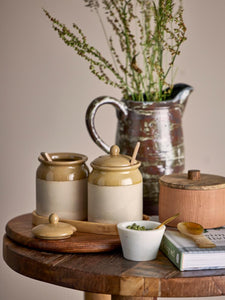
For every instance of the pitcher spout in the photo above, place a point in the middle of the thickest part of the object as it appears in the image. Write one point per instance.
(181, 93)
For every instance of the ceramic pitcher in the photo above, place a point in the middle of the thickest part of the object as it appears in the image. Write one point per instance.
(158, 128)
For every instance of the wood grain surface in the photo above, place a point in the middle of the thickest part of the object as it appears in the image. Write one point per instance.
(205, 207)
(19, 230)
(181, 181)
(81, 226)
(110, 273)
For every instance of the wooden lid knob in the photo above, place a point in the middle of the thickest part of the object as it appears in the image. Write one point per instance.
(194, 174)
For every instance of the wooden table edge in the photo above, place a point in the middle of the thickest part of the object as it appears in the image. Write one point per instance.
(15, 257)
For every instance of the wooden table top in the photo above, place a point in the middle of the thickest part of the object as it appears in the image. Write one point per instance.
(110, 273)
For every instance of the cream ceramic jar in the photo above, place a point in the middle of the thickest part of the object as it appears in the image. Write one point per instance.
(115, 189)
(61, 186)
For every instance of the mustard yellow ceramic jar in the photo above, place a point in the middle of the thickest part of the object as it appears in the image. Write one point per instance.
(61, 186)
(115, 189)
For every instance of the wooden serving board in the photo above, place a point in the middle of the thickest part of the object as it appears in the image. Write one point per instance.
(19, 230)
(83, 226)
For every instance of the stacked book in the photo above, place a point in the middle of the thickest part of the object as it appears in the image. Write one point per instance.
(185, 255)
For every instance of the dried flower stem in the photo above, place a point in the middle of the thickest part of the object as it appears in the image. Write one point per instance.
(138, 65)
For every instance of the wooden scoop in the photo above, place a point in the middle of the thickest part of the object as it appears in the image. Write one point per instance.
(195, 232)
(167, 221)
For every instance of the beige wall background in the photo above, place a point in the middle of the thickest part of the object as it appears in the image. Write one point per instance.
(45, 91)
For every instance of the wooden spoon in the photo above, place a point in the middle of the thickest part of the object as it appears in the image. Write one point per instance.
(133, 158)
(46, 156)
(167, 221)
(195, 232)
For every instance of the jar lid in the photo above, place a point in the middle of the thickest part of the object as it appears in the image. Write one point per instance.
(114, 160)
(193, 180)
(54, 230)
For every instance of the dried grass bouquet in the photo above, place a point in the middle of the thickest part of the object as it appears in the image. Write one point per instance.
(144, 41)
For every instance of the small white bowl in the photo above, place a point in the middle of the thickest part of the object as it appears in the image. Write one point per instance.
(140, 245)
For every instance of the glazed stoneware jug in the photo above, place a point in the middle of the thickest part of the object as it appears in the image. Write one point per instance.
(115, 189)
(158, 128)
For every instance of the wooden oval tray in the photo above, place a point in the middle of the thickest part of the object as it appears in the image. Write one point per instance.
(19, 230)
(83, 226)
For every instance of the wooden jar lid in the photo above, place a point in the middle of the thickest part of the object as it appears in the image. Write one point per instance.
(193, 180)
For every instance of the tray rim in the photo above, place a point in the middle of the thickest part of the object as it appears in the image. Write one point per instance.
(19, 230)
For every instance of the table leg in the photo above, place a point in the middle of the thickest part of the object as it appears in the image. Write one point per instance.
(94, 296)
(132, 298)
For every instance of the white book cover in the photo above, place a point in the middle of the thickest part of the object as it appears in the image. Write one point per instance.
(184, 253)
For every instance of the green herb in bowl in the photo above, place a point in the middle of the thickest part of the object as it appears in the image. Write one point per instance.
(134, 226)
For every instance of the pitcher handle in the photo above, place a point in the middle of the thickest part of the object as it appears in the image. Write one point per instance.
(90, 117)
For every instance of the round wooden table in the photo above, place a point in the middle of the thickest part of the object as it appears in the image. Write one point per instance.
(109, 273)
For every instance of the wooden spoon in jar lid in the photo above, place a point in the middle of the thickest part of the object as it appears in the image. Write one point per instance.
(133, 158)
(195, 232)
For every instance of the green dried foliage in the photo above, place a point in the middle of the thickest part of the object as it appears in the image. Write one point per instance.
(146, 39)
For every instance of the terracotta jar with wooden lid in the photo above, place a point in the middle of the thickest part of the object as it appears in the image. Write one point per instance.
(197, 197)
(115, 189)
